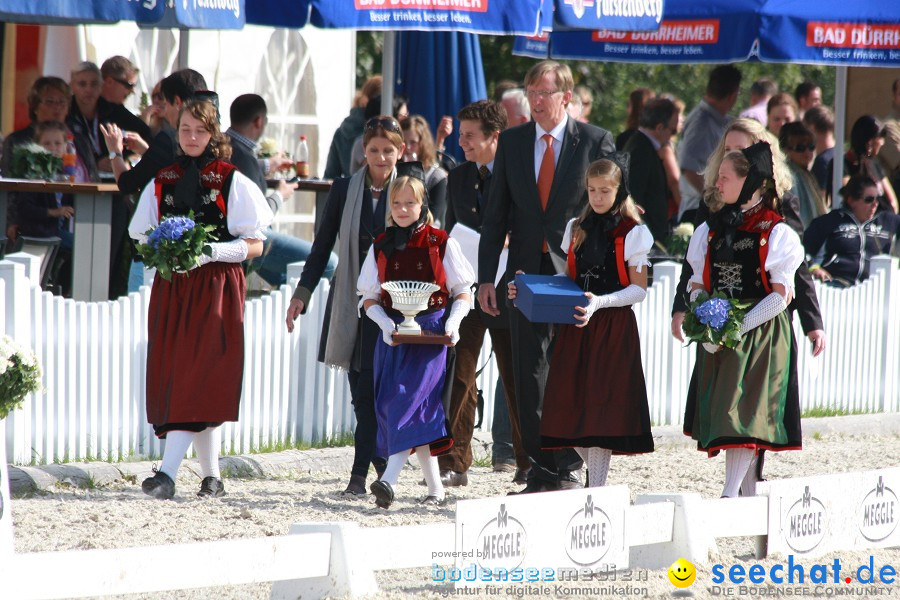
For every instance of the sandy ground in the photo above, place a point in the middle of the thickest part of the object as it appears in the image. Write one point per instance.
(119, 515)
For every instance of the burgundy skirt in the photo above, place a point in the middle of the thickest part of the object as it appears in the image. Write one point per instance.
(596, 395)
(195, 350)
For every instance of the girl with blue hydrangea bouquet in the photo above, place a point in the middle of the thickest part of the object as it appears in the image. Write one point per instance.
(744, 257)
(195, 350)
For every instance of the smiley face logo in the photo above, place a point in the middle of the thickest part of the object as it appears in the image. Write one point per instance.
(682, 573)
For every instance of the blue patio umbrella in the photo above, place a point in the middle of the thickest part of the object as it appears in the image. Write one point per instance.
(439, 73)
(62, 12)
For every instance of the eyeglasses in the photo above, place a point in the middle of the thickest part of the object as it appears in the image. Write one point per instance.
(125, 83)
(543, 95)
(388, 123)
(803, 147)
(868, 199)
(55, 102)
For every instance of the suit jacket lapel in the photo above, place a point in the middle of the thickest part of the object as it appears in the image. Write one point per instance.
(569, 146)
(527, 166)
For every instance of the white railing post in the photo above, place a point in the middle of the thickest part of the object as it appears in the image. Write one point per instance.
(674, 386)
(17, 318)
(886, 267)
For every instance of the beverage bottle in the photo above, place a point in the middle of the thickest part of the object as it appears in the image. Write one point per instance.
(302, 158)
(69, 159)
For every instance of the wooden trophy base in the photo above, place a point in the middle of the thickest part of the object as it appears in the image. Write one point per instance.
(426, 337)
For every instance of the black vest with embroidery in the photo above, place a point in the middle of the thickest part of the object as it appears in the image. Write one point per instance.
(604, 278)
(215, 180)
(742, 278)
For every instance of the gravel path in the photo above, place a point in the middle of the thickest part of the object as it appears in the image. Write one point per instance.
(117, 514)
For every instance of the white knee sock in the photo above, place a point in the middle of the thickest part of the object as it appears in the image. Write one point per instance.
(431, 471)
(748, 485)
(598, 465)
(394, 466)
(737, 461)
(206, 445)
(177, 444)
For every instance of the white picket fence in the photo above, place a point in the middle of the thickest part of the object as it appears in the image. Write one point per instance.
(93, 356)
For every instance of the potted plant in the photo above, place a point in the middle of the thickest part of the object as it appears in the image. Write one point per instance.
(20, 374)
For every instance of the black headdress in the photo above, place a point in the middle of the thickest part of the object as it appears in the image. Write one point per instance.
(597, 226)
(726, 221)
(395, 237)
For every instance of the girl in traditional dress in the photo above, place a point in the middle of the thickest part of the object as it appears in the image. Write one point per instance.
(746, 251)
(195, 351)
(409, 378)
(599, 400)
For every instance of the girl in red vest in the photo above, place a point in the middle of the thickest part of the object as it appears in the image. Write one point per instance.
(747, 251)
(195, 350)
(409, 378)
(597, 397)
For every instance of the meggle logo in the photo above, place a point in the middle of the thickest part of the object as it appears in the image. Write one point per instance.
(587, 534)
(502, 542)
(805, 523)
(877, 513)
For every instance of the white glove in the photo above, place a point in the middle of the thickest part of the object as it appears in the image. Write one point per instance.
(387, 325)
(767, 309)
(458, 310)
(624, 297)
(234, 251)
(710, 347)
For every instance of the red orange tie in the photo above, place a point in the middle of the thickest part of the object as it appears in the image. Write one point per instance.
(545, 177)
(545, 174)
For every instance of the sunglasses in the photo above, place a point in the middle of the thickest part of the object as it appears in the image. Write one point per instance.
(868, 199)
(125, 83)
(387, 123)
(803, 147)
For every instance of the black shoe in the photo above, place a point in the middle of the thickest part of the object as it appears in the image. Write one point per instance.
(211, 487)
(454, 478)
(521, 476)
(534, 486)
(383, 492)
(356, 487)
(569, 480)
(433, 501)
(159, 486)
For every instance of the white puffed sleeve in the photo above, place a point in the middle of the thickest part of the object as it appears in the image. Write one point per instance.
(368, 285)
(248, 212)
(567, 236)
(146, 215)
(696, 253)
(459, 271)
(638, 243)
(785, 255)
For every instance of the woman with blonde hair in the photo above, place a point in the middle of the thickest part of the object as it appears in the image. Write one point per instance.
(599, 403)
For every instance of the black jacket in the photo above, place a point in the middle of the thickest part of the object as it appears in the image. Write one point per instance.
(846, 245)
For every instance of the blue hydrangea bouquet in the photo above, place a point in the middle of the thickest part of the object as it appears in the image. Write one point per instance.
(714, 319)
(175, 245)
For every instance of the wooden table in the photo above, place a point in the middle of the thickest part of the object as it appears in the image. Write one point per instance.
(93, 221)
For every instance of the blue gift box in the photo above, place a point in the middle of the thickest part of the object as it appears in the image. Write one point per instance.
(548, 298)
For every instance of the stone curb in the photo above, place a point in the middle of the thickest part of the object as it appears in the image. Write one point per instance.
(292, 463)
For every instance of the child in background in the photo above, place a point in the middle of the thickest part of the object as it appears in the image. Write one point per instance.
(409, 378)
(598, 404)
(40, 214)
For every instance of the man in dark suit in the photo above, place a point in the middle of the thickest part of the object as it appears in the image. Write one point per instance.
(536, 188)
(468, 185)
(647, 177)
(249, 116)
